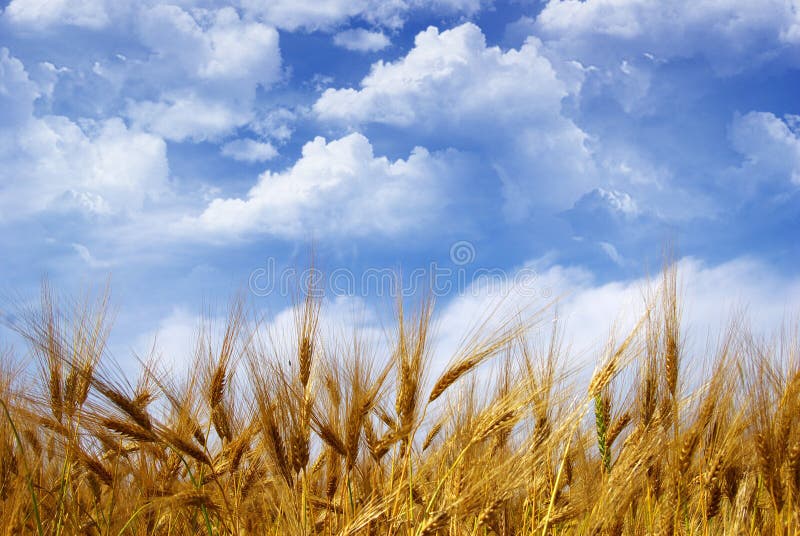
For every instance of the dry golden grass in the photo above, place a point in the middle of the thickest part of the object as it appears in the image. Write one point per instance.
(349, 442)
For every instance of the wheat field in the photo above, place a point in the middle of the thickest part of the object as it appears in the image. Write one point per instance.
(333, 437)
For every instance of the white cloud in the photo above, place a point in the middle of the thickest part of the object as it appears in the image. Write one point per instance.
(731, 34)
(589, 311)
(247, 150)
(337, 188)
(174, 338)
(186, 115)
(463, 6)
(452, 78)
(339, 318)
(326, 14)
(93, 14)
(201, 66)
(711, 297)
(770, 145)
(361, 40)
(611, 202)
(211, 45)
(87, 257)
(792, 32)
(173, 341)
(201, 74)
(17, 91)
(277, 124)
(288, 15)
(452, 87)
(611, 251)
(51, 163)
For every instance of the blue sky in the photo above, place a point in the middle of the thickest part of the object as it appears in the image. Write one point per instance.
(179, 146)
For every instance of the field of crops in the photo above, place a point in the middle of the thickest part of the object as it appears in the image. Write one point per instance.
(338, 439)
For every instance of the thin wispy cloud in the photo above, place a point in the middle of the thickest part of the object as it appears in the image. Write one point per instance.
(361, 40)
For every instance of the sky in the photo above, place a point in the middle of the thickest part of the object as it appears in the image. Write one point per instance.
(191, 150)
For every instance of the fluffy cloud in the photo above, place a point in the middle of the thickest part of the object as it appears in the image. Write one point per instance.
(188, 72)
(326, 14)
(613, 201)
(323, 14)
(52, 163)
(600, 212)
(590, 310)
(186, 115)
(17, 91)
(361, 40)
(288, 15)
(211, 45)
(452, 79)
(277, 124)
(712, 295)
(247, 150)
(725, 32)
(172, 342)
(452, 86)
(209, 64)
(92, 14)
(337, 188)
(770, 145)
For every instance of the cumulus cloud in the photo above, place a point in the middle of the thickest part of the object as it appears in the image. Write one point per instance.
(326, 14)
(588, 310)
(276, 124)
(247, 150)
(193, 70)
(452, 86)
(17, 91)
(93, 14)
(337, 188)
(288, 15)
(770, 146)
(186, 115)
(211, 45)
(600, 212)
(451, 78)
(209, 65)
(613, 201)
(52, 163)
(712, 295)
(173, 339)
(361, 40)
(731, 34)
